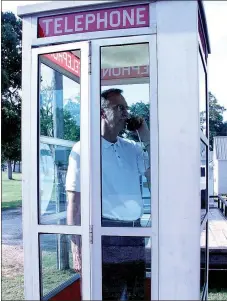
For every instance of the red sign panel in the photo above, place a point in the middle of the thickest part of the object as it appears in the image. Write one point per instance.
(66, 60)
(125, 72)
(99, 20)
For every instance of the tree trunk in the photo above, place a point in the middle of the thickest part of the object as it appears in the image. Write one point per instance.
(14, 165)
(10, 177)
(19, 167)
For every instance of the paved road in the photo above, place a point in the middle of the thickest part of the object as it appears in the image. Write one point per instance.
(12, 227)
(12, 231)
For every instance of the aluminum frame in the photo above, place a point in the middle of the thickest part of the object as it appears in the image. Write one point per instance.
(35, 227)
(98, 231)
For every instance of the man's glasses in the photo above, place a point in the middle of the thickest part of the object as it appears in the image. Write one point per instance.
(121, 108)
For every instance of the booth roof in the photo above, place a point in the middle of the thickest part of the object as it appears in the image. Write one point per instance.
(53, 6)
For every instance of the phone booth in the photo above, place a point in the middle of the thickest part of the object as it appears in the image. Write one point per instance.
(155, 54)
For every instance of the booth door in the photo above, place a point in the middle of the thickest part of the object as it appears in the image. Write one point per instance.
(60, 242)
(122, 194)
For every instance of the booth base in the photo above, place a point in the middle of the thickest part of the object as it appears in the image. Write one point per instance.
(72, 292)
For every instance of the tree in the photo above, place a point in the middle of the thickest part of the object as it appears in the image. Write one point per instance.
(11, 83)
(11, 133)
(71, 115)
(11, 52)
(216, 124)
(138, 109)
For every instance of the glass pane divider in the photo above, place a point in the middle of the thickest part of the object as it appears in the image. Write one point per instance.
(59, 229)
(123, 231)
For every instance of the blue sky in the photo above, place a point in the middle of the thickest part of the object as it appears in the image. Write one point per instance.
(216, 12)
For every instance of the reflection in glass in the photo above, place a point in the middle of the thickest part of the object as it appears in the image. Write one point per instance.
(125, 153)
(203, 179)
(202, 96)
(53, 168)
(58, 275)
(126, 268)
(59, 121)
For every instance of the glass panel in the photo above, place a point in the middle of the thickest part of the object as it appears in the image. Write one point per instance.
(125, 135)
(59, 129)
(126, 268)
(60, 274)
(53, 168)
(202, 96)
(203, 259)
(203, 179)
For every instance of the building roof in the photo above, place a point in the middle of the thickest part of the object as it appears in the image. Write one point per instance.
(220, 147)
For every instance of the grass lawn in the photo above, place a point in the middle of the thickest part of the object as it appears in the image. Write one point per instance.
(11, 191)
(13, 288)
(215, 294)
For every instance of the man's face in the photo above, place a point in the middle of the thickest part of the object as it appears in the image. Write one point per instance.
(116, 112)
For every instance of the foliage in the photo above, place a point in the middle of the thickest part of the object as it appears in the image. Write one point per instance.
(11, 50)
(11, 82)
(11, 130)
(70, 114)
(216, 125)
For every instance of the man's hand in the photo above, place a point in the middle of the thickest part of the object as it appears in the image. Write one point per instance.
(76, 252)
(144, 132)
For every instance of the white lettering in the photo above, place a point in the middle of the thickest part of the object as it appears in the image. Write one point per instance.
(65, 56)
(140, 15)
(66, 26)
(146, 70)
(77, 23)
(55, 56)
(137, 69)
(76, 65)
(47, 25)
(126, 17)
(118, 17)
(57, 25)
(117, 73)
(69, 61)
(99, 20)
(90, 18)
(60, 57)
(128, 69)
(105, 71)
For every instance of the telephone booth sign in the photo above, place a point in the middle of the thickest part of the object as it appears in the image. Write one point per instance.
(114, 124)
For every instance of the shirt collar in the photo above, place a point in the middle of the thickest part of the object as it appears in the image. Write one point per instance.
(107, 144)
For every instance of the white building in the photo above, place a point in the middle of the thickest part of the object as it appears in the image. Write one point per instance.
(220, 165)
(210, 172)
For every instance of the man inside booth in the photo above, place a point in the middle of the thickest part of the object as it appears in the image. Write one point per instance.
(123, 164)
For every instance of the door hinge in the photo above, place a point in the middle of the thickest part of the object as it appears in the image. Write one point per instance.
(91, 234)
(89, 59)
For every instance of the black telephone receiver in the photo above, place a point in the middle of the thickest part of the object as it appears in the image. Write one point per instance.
(134, 123)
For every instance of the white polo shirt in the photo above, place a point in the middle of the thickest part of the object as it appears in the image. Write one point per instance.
(122, 164)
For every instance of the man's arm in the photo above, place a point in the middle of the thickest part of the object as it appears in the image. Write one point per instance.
(74, 218)
(144, 133)
(73, 208)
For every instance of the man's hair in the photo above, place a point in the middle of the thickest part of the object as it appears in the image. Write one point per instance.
(108, 93)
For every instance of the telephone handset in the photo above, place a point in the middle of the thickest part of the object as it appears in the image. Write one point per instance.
(134, 123)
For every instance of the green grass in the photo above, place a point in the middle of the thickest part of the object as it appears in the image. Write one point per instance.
(13, 288)
(11, 191)
(215, 294)
(51, 276)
